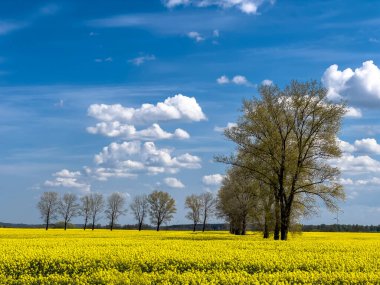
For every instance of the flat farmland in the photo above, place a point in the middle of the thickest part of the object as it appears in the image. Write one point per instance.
(36, 256)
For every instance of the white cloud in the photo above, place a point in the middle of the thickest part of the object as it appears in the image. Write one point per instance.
(67, 179)
(179, 107)
(142, 59)
(222, 129)
(174, 3)
(214, 179)
(360, 87)
(67, 174)
(352, 112)
(237, 79)
(367, 145)
(245, 6)
(223, 80)
(154, 132)
(216, 33)
(362, 164)
(195, 36)
(107, 59)
(127, 158)
(173, 182)
(267, 82)
(240, 80)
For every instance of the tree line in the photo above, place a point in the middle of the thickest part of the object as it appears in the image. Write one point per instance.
(159, 206)
(281, 169)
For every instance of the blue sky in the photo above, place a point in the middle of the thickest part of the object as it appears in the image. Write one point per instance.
(75, 75)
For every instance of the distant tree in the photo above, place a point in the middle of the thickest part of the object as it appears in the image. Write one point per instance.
(68, 208)
(85, 209)
(208, 202)
(140, 207)
(115, 208)
(48, 206)
(162, 207)
(194, 204)
(96, 207)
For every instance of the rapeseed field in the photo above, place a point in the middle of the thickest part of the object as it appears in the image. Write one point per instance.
(36, 256)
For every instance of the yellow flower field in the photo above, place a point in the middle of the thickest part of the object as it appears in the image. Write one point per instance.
(168, 257)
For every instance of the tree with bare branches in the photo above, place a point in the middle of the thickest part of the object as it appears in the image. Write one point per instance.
(140, 207)
(68, 208)
(115, 208)
(194, 204)
(48, 207)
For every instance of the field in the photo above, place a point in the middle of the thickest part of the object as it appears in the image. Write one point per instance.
(148, 257)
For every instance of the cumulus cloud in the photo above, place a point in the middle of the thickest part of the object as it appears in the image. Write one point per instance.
(267, 82)
(142, 59)
(129, 132)
(366, 145)
(237, 79)
(361, 87)
(223, 80)
(362, 164)
(173, 182)
(179, 107)
(129, 158)
(213, 179)
(67, 179)
(222, 129)
(196, 36)
(246, 6)
(352, 112)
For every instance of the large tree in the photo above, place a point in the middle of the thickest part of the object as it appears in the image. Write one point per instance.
(68, 208)
(48, 207)
(139, 208)
(162, 207)
(194, 204)
(115, 208)
(290, 135)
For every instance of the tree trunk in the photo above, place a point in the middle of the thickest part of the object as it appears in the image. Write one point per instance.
(158, 227)
(285, 218)
(204, 223)
(244, 225)
(266, 228)
(85, 224)
(277, 220)
(47, 221)
(65, 224)
(93, 223)
(111, 224)
(140, 226)
(195, 224)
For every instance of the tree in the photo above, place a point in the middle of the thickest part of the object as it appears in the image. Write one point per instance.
(68, 207)
(96, 206)
(115, 208)
(290, 135)
(85, 209)
(208, 203)
(237, 199)
(162, 207)
(194, 204)
(48, 206)
(139, 207)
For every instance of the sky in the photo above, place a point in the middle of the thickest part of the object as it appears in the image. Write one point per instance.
(131, 96)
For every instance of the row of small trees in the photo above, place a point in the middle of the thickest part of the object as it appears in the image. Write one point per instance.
(159, 205)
